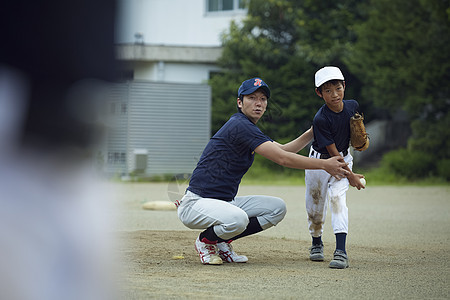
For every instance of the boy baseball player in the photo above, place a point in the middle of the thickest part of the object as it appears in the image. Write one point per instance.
(210, 202)
(331, 128)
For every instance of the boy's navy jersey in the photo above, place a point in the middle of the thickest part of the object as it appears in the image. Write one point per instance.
(330, 127)
(226, 158)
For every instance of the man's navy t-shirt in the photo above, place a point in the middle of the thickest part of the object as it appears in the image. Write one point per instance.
(330, 127)
(226, 158)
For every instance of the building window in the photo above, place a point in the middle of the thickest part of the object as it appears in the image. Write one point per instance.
(115, 158)
(224, 5)
(110, 158)
(123, 108)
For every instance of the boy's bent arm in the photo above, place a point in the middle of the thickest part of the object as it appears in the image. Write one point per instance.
(299, 143)
(332, 150)
(334, 166)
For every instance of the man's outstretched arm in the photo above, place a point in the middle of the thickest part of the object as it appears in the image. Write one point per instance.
(270, 150)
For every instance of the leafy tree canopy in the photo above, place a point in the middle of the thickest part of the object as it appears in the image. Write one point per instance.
(394, 55)
(285, 43)
(402, 57)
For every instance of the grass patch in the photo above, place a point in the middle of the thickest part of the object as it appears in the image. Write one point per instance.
(269, 177)
(268, 173)
(382, 176)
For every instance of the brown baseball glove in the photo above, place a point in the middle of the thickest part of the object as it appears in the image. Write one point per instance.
(359, 138)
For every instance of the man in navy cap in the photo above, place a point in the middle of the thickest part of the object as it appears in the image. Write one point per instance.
(210, 202)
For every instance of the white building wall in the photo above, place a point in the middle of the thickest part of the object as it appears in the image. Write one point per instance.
(172, 22)
(185, 73)
(174, 72)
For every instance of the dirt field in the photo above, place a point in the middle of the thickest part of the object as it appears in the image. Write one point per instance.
(398, 247)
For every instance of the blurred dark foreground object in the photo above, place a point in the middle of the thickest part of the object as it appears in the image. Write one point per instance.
(55, 45)
(56, 60)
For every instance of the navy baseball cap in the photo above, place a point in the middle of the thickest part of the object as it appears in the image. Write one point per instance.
(251, 85)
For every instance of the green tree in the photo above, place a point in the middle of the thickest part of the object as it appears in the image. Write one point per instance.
(285, 42)
(402, 57)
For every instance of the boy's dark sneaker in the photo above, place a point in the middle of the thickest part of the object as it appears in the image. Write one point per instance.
(340, 260)
(316, 252)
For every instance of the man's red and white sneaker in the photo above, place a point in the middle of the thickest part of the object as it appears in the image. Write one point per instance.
(227, 253)
(208, 253)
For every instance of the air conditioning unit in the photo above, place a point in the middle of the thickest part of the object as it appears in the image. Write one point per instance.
(140, 157)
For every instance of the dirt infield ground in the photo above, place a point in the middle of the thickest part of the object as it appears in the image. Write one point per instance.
(398, 246)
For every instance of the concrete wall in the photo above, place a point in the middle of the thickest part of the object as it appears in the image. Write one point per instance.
(170, 63)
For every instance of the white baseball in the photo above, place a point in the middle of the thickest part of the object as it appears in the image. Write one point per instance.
(363, 181)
